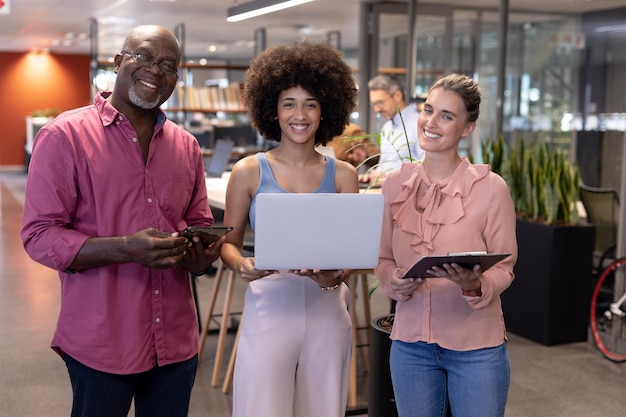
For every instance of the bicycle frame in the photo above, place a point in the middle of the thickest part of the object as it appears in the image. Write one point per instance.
(615, 308)
(608, 325)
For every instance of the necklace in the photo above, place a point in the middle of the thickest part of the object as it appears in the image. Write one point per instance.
(427, 172)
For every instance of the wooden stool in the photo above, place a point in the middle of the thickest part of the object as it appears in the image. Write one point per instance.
(357, 341)
(212, 299)
(230, 370)
(223, 323)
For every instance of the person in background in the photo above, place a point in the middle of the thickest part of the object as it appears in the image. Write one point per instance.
(398, 136)
(363, 154)
(448, 336)
(109, 187)
(293, 356)
(354, 146)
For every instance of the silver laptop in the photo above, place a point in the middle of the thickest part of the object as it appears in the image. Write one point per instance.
(216, 165)
(317, 230)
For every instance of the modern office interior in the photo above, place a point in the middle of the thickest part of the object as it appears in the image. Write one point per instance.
(551, 72)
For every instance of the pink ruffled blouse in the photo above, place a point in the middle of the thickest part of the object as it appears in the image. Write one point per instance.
(471, 210)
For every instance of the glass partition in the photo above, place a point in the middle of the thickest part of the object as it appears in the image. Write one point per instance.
(563, 80)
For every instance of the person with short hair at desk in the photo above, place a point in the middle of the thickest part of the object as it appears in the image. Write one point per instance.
(354, 146)
(293, 356)
(398, 136)
(448, 336)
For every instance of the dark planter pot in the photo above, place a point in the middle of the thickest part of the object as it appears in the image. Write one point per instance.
(549, 299)
(380, 401)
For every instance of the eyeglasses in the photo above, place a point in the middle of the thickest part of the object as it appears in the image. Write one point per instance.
(380, 103)
(167, 66)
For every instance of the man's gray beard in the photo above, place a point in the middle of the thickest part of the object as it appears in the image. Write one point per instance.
(148, 105)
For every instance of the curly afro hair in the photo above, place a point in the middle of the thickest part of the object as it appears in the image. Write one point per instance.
(318, 68)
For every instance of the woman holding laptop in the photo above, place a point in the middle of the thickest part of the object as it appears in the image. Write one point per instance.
(293, 357)
(448, 333)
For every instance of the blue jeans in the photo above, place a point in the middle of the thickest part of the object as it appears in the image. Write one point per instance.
(163, 391)
(425, 376)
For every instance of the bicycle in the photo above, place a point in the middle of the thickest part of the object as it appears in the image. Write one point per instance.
(608, 317)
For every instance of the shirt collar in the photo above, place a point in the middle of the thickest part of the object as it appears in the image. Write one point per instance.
(396, 122)
(108, 113)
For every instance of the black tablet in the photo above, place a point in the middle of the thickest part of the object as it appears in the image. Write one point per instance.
(208, 234)
(466, 260)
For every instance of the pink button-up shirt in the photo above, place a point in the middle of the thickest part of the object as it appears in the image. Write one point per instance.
(471, 210)
(87, 178)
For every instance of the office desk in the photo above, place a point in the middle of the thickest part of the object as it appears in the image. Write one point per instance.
(237, 153)
(216, 191)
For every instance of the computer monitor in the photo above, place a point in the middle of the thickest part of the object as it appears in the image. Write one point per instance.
(240, 135)
(205, 138)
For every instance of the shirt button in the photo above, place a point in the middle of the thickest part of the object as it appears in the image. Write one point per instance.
(149, 200)
(156, 292)
(134, 139)
(158, 320)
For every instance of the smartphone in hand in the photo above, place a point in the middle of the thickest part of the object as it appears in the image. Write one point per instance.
(207, 234)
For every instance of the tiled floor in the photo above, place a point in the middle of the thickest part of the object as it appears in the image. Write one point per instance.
(568, 380)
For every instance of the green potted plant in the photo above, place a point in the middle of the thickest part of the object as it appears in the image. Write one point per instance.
(549, 300)
(543, 183)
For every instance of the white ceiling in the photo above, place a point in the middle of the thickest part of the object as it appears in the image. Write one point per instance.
(46, 23)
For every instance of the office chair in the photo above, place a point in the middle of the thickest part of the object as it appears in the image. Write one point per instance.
(602, 207)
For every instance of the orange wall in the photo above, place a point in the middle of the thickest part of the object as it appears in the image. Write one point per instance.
(30, 82)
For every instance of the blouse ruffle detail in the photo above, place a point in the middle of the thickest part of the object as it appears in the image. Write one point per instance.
(442, 202)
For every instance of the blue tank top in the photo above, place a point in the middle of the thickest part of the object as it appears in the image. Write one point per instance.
(268, 184)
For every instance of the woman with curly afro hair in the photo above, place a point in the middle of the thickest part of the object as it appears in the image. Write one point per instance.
(293, 357)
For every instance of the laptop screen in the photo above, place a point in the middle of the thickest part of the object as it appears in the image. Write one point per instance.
(216, 165)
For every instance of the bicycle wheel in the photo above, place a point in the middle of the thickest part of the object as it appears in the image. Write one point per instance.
(609, 329)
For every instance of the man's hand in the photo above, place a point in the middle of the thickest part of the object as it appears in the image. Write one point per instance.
(149, 247)
(198, 257)
(373, 177)
(155, 249)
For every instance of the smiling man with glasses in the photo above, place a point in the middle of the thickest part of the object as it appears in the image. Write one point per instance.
(109, 187)
(161, 67)
(168, 66)
(386, 95)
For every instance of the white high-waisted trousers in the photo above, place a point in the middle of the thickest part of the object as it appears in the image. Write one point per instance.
(293, 357)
